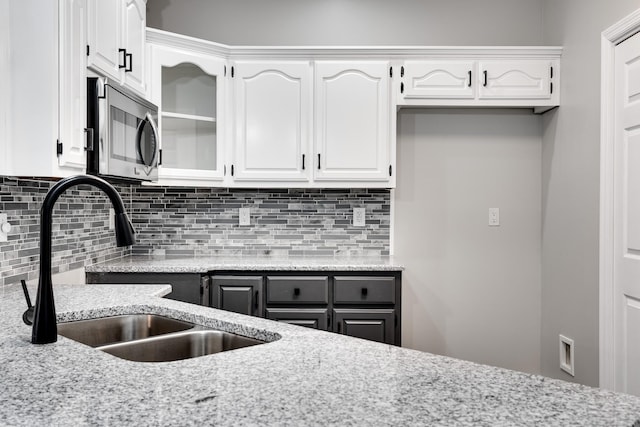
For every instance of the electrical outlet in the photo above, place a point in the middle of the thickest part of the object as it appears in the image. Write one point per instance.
(5, 228)
(359, 215)
(245, 216)
(567, 355)
(494, 217)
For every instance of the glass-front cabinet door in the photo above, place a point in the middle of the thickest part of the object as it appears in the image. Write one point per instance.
(189, 90)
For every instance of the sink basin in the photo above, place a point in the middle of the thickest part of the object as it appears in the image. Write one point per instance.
(108, 330)
(183, 345)
(152, 338)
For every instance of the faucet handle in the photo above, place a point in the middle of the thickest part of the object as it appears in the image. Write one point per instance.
(27, 316)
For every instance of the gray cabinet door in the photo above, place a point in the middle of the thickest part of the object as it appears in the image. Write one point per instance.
(371, 324)
(240, 294)
(316, 318)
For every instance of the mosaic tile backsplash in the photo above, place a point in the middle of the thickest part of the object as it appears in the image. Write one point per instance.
(81, 233)
(194, 221)
(189, 222)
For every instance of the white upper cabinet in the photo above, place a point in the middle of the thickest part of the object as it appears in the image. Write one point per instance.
(319, 117)
(72, 99)
(524, 79)
(116, 40)
(353, 126)
(438, 79)
(46, 138)
(272, 111)
(482, 77)
(189, 89)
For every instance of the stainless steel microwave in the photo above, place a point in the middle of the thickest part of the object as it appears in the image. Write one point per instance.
(123, 136)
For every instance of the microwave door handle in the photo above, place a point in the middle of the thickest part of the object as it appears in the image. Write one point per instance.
(154, 129)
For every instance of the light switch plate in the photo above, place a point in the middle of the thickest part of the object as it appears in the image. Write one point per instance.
(359, 217)
(245, 216)
(494, 217)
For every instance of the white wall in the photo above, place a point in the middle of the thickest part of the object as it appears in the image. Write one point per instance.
(470, 291)
(5, 88)
(571, 164)
(352, 22)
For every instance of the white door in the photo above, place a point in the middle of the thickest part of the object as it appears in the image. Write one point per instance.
(189, 89)
(104, 34)
(524, 79)
(135, 23)
(627, 217)
(438, 79)
(272, 120)
(353, 121)
(72, 96)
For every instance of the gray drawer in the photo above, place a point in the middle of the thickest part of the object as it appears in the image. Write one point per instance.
(364, 290)
(297, 289)
(316, 318)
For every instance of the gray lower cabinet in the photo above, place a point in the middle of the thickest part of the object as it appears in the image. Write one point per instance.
(363, 306)
(240, 294)
(371, 324)
(187, 287)
(357, 304)
(317, 318)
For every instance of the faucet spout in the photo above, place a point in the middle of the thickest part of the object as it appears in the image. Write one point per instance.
(45, 329)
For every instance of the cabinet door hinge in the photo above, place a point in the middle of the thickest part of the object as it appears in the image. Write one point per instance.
(160, 157)
(88, 50)
(390, 170)
(391, 72)
(58, 147)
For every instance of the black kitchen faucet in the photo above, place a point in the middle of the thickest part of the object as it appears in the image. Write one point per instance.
(45, 330)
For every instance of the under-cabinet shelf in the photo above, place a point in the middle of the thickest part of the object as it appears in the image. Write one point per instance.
(187, 116)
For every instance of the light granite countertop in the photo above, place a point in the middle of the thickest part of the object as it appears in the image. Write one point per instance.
(302, 378)
(163, 264)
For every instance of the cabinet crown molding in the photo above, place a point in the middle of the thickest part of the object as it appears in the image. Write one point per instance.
(350, 52)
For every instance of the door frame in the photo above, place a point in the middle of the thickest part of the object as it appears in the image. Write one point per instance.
(612, 36)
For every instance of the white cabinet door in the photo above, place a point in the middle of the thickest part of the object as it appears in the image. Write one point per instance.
(72, 97)
(135, 22)
(438, 79)
(353, 121)
(116, 40)
(521, 79)
(189, 89)
(104, 37)
(272, 121)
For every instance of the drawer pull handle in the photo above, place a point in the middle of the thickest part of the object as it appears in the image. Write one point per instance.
(364, 292)
(296, 291)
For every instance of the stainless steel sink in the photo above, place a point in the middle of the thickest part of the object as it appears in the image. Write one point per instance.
(108, 330)
(182, 345)
(152, 338)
